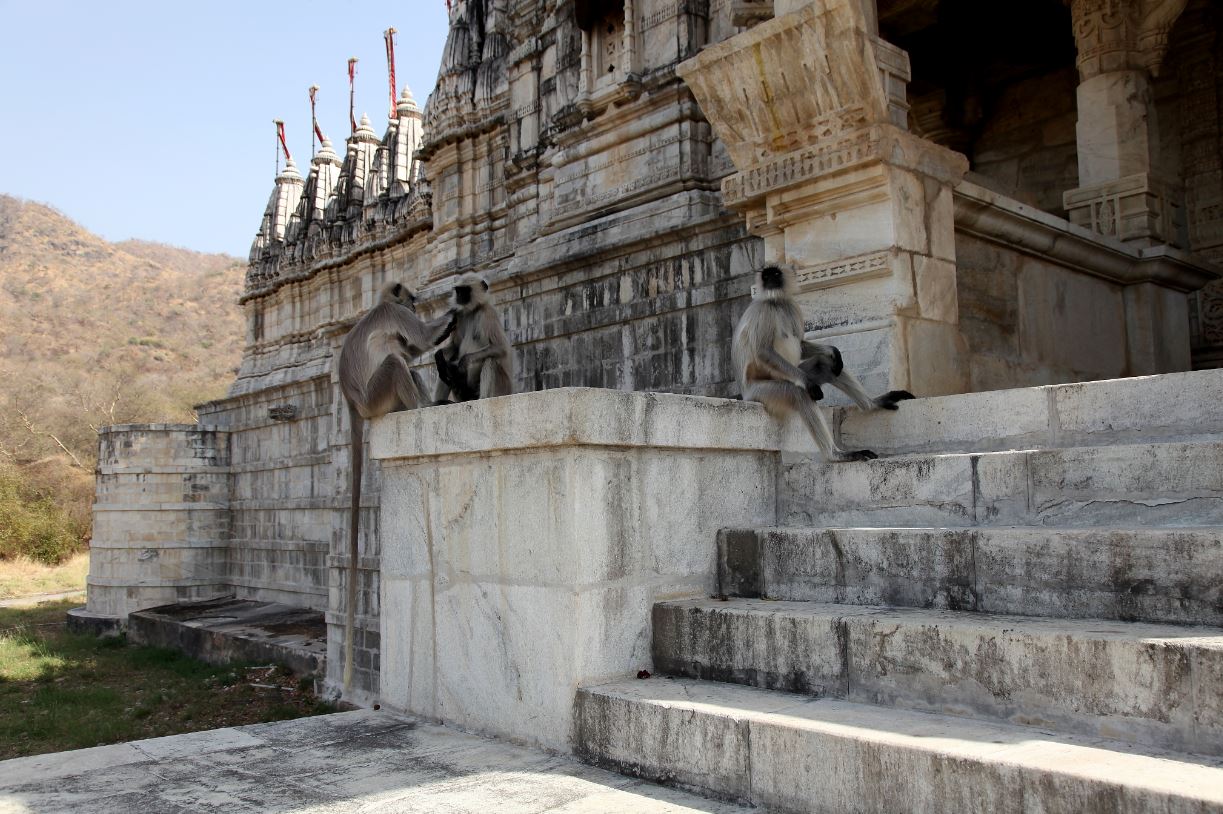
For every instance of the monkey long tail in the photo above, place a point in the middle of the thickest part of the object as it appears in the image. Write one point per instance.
(350, 618)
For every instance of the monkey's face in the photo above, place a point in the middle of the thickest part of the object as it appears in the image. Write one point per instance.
(462, 295)
(772, 278)
(399, 293)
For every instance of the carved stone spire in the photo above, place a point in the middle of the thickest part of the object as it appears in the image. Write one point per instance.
(355, 174)
(281, 205)
(405, 138)
(324, 173)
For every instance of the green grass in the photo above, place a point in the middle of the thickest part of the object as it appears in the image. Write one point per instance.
(62, 691)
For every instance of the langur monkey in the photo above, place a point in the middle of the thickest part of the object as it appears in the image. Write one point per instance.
(376, 379)
(784, 373)
(478, 361)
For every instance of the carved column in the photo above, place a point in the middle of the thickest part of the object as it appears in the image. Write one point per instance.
(836, 186)
(1121, 44)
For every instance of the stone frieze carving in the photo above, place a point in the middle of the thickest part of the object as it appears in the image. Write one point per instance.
(827, 275)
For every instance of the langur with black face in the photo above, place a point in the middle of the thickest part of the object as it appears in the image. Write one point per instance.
(376, 378)
(784, 373)
(478, 362)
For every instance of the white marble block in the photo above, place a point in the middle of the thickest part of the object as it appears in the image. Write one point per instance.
(526, 538)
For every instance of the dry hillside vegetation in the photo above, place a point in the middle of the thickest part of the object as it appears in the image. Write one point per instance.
(95, 333)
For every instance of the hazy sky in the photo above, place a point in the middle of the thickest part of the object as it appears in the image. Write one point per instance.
(153, 120)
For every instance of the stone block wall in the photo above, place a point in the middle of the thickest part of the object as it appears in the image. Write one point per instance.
(527, 538)
(290, 507)
(1042, 301)
(1190, 103)
(1072, 330)
(161, 517)
(1027, 149)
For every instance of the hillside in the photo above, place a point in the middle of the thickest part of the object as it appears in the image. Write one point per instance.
(94, 333)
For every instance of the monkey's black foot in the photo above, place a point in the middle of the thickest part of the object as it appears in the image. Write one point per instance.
(860, 455)
(891, 399)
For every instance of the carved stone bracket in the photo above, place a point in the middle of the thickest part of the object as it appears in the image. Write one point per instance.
(794, 81)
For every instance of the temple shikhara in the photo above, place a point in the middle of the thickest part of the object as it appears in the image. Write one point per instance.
(1013, 209)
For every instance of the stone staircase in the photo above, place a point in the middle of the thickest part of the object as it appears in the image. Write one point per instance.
(1021, 610)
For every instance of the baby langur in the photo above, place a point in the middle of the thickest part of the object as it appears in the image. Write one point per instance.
(376, 379)
(478, 361)
(784, 373)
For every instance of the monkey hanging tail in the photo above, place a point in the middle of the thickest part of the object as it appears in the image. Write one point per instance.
(350, 620)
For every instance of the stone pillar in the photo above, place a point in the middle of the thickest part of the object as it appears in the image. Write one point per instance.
(1121, 192)
(160, 519)
(831, 179)
(525, 540)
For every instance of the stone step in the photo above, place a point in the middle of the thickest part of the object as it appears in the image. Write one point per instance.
(1160, 685)
(794, 753)
(1149, 575)
(1171, 407)
(1173, 484)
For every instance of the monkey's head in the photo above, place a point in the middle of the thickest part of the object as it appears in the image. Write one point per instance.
(398, 293)
(773, 281)
(470, 291)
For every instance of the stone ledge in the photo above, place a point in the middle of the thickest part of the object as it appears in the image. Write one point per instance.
(995, 217)
(116, 428)
(575, 416)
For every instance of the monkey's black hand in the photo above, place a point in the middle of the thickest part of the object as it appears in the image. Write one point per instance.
(454, 320)
(891, 399)
(860, 455)
(445, 370)
(812, 386)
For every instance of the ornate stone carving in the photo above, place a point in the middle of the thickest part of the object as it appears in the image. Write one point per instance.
(827, 275)
(1115, 35)
(747, 13)
(767, 93)
(1136, 208)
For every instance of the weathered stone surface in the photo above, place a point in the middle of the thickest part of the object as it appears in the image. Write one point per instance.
(1135, 682)
(1171, 407)
(793, 753)
(526, 539)
(1130, 485)
(1155, 575)
(233, 630)
(161, 520)
(367, 761)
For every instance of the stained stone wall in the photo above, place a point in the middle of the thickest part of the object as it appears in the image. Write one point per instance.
(1026, 149)
(1190, 94)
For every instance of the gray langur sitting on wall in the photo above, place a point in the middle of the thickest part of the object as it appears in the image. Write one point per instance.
(478, 361)
(376, 378)
(783, 372)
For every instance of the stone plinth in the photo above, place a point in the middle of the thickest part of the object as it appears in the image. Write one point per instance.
(526, 538)
(836, 186)
(160, 519)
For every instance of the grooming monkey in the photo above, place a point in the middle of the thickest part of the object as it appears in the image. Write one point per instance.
(784, 373)
(478, 361)
(376, 379)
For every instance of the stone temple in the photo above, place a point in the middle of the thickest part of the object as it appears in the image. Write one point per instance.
(1013, 209)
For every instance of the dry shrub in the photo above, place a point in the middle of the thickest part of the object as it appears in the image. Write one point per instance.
(32, 524)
